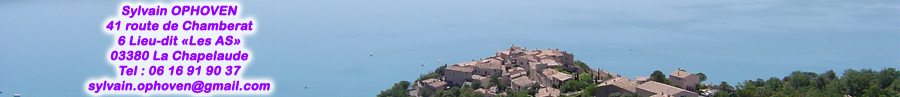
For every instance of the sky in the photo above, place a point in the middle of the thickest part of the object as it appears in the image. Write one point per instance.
(50, 48)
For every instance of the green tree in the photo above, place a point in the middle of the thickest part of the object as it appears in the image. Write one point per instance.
(584, 67)
(458, 92)
(722, 94)
(799, 79)
(773, 84)
(518, 94)
(495, 81)
(863, 82)
(702, 76)
(829, 75)
(404, 84)
(501, 86)
(658, 76)
(429, 76)
(856, 81)
(589, 90)
(476, 84)
(586, 78)
(895, 87)
(426, 93)
(440, 70)
(570, 86)
(725, 87)
(697, 90)
(398, 90)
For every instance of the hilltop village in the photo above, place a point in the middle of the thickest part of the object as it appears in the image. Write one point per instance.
(517, 72)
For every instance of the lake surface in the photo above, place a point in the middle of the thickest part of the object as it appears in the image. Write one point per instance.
(52, 48)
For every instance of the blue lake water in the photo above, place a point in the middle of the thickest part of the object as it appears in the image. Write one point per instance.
(52, 48)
